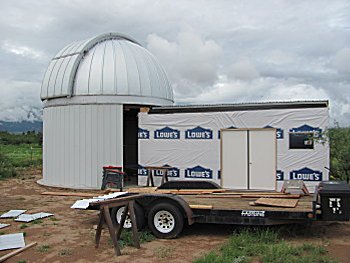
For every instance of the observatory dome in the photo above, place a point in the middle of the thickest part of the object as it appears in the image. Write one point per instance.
(112, 66)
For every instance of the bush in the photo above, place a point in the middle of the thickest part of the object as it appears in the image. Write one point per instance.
(6, 167)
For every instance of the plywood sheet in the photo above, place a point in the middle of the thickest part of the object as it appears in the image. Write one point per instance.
(277, 202)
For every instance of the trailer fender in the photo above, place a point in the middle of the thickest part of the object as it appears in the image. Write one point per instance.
(149, 200)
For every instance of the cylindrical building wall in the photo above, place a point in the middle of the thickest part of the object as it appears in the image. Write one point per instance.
(78, 141)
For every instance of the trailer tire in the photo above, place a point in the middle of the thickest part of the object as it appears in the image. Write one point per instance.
(116, 214)
(165, 220)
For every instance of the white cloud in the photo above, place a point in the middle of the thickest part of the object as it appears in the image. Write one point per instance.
(19, 100)
(243, 69)
(342, 60)
(190, 60)
(23, 51)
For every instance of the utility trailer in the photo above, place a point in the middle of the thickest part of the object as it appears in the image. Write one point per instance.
(166, 214)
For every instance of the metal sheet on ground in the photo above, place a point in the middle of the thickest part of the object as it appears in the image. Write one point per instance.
(12, 213)
(32, 217)
(11, 241)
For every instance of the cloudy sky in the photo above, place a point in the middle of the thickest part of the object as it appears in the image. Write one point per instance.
(213, 51)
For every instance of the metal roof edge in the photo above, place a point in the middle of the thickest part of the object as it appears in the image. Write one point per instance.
(239, 106)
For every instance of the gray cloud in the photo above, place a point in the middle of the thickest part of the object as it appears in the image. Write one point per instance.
(213, 51)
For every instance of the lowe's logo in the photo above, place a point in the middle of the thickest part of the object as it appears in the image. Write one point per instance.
(172, 172)
(141, 171)
(143, 134)
(279, 175)
(198, 172)
(167, 133)
(199, 133)
(232, 127)
(306, 128)
(279, 132)
(305, 174)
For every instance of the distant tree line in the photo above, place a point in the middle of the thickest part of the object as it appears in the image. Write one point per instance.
(29, 137)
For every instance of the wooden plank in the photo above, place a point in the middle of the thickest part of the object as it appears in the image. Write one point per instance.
(277, 202)
(193, 206)
(71, 194)
(247, 192)
(14, 253)
(288, 196)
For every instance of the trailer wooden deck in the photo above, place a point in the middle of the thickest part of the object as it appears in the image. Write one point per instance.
(304, 204)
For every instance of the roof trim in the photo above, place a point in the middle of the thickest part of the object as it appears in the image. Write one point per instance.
(239, 107)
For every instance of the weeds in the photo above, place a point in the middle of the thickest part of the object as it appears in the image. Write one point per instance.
(23, 226)
(37, 221)
(126, 238)
(266, 246)
(44, 248)
(65, 252)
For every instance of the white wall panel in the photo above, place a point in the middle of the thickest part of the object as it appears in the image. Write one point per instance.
(184, 154)
(78, 141)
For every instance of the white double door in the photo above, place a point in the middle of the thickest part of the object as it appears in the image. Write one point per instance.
(248, 159)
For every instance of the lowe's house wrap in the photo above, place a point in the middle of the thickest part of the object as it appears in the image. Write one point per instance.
(187, 138)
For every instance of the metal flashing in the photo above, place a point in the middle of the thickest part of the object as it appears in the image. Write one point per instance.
(239, 107)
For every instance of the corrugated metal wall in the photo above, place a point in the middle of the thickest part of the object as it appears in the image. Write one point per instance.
(78, 141)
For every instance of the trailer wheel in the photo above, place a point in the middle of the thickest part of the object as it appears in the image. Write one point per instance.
(165, 220)
(117, 212)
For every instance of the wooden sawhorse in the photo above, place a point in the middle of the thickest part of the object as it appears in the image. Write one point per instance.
(151, 170)
(115, 231)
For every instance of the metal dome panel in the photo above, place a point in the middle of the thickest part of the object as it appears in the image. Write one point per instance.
(110, 65)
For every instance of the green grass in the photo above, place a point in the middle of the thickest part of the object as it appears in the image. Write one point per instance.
(15, 157)
(265, 246)
(126, 238)
(23, 155)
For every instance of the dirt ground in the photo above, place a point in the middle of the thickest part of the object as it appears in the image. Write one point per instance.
(69, 235)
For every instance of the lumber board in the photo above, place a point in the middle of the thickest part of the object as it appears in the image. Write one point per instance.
(291, 203)
(71, 194)
(194, 206)
(249, 192)
(14, 253)
(304, 204)
(287, 196)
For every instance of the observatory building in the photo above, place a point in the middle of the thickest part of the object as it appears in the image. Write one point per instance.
(92, 92)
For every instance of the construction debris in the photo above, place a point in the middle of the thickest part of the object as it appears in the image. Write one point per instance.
(14, 253)
(11, 241)
(3, 225)
(84, 203)
(31, 217)
(12, 213)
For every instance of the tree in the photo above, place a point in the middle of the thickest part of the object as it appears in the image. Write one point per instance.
(339, 142)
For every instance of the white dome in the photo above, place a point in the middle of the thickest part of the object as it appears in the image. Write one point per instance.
(109, 65)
